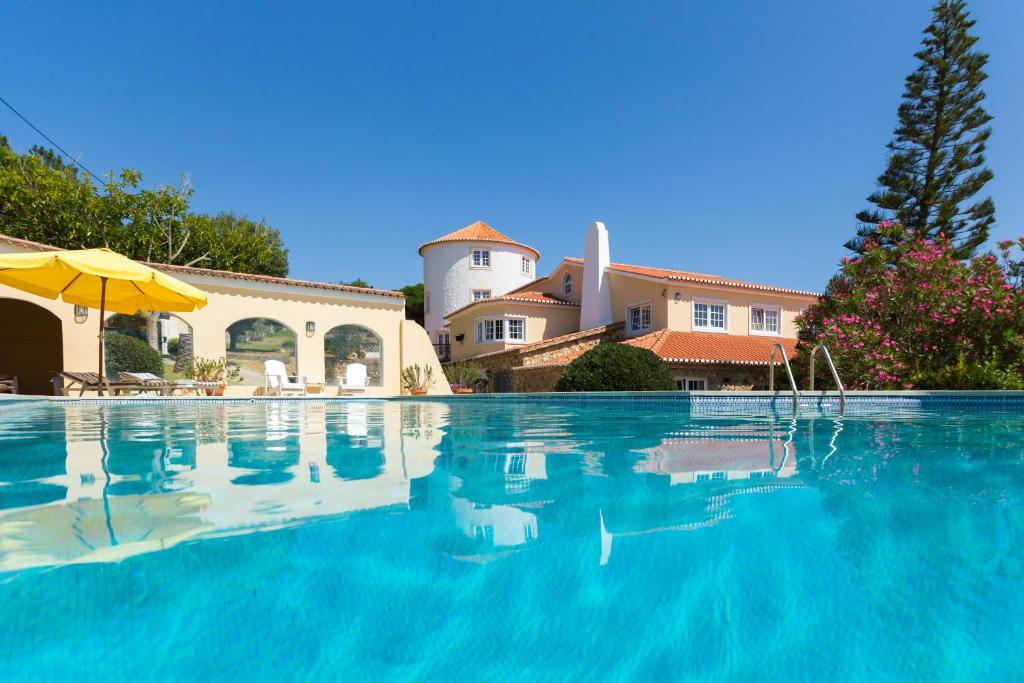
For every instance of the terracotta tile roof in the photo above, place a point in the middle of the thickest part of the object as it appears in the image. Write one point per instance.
(711, 347)
(477, 232)
(209, 272)
(698, 278)
(519, 296)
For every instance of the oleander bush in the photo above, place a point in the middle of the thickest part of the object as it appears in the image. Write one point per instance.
(130, 354)
(616, 367)
(918, 317)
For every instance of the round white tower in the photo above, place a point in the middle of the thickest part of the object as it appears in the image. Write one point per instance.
(472, 263)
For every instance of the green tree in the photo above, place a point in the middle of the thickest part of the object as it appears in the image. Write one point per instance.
(937, 155)
(43, 199)
(358, 282)
(610, 366)
(413, 302)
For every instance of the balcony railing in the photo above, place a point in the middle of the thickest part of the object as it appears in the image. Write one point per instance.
(443, 351)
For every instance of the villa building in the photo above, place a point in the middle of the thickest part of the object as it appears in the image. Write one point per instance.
(315, 328)
(714, 332)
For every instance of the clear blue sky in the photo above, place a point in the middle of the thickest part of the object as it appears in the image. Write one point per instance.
(735, 138)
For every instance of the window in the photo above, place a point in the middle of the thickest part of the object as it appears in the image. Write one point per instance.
(708, 316)
(526, 265)
(481, 258)
(764, 320)
(567, 284)
(691, 384)
(517, 329)
(638, 318)
(426, 302)
(348, 344)
(444, 338)
(500, 329)
(252, 341)
(516, 464)
(479, 294)
(490, 331)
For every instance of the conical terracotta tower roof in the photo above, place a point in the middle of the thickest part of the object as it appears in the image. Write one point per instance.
(477, 232)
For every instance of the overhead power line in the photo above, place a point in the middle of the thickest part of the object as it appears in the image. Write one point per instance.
(50, 140)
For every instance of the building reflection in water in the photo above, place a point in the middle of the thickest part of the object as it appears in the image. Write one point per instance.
(134, 480)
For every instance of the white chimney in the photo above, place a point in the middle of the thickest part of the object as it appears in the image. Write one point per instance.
(596, 307)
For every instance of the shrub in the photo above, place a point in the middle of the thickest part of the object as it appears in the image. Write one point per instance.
(616, 367)
(463, 374)
(173, 345)
(967, 374)
(128, 354)
(212, 370)
(415, 378)
(919, 317)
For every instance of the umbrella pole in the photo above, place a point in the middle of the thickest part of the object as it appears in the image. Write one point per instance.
(103, 305)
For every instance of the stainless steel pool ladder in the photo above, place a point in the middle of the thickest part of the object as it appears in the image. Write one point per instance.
(789, 372)
(835, 373)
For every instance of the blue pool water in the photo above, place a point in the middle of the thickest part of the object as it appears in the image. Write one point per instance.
(504, 541)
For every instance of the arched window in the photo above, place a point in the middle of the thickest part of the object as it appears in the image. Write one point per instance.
(252, 341)
(347, 344)
(167, 334)
(567, 284)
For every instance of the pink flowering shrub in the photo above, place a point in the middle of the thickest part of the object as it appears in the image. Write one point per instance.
(920, 318)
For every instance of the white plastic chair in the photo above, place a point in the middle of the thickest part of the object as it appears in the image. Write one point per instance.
(277, 382)
(355, 378)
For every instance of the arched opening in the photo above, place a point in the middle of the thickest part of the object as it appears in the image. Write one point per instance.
(567, 283)
(347, 344)
(31, 345)
(252, 341)
(166, 334)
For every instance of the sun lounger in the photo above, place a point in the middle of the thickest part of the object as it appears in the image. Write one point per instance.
(186, 385)
(149, 381)
(90, 381)
(168, 387)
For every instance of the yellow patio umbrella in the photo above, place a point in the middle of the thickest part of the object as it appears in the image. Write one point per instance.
(99, 278)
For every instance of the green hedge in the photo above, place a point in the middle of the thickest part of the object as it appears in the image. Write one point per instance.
(616, 367)
(128, 354)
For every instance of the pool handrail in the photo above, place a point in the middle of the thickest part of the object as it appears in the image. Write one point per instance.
(835, 374)
(789, 372)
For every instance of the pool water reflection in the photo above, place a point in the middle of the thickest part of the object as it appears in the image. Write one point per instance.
(470, 540)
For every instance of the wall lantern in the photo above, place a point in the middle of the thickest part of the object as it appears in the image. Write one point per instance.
(310, 328)
(459, 337)
(81, 314)
(678, 296)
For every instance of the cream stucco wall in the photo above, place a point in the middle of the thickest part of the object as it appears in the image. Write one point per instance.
(668, 311)
(542, 322)
(554, 284)
(738, 304)
(231, 300)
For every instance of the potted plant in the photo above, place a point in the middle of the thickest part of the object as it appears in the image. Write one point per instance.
(417, 380)
(212, 370)
(462, 376)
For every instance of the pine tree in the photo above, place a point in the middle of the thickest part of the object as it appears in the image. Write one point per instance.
(937, 155)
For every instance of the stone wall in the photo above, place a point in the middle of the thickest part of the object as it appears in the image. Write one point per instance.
(729, 377)
(537, 366)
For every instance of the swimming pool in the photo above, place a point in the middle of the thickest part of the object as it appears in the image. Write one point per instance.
(506, 540)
